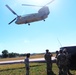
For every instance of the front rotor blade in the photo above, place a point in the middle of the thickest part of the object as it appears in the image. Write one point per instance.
(11, 10)
(49, 2)
(12, 21)
(31, 5)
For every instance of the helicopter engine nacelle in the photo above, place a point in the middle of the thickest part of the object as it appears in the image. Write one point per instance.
(44, 10)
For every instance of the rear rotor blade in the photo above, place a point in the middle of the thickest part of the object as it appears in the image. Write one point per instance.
(49, 2)
(12, 21)
(11, 10)
(37, 5)
(31, 5)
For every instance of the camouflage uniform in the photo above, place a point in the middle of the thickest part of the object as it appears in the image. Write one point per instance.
(68, 62)
(62, 63)
(26, 61)
(47, 57)
(57, 52)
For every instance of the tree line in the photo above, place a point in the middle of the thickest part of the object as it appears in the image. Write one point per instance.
(6, 54)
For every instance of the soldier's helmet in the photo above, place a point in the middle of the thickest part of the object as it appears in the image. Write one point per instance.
(47, 50)
(60, 51)
(57, 52)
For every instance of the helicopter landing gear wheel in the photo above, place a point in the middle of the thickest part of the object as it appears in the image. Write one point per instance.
(29, 24)
(44, 20)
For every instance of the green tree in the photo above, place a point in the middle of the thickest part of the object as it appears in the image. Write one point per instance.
(5, 53)
(13, 55)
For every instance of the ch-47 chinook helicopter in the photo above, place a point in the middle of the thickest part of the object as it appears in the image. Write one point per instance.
(42, 14)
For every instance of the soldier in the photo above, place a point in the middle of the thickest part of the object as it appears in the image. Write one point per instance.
(61, 62)
(26, 61)
(57, 52)
(47, 57)
(68, 60)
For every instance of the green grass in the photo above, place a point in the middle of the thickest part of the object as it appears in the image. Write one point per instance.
(35, 69)
(19, 69)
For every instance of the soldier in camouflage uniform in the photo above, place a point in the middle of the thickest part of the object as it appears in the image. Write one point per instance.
(57, 53)
(26, 61)
(62, 64)
(68, 61)
(47, 57)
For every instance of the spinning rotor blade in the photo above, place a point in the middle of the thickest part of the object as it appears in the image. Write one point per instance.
(37, 5)
(49, 2)
(31, 5)
(11, 10)
(12, 21)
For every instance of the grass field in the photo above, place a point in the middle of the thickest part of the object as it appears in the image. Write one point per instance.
(35, 69)
(19, 69)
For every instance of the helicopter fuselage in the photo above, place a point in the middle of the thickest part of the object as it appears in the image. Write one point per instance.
(41, 15)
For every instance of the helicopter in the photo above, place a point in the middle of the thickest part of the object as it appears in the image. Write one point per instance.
(42, 14)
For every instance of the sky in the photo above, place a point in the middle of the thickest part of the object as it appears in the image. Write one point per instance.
(58, 30)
